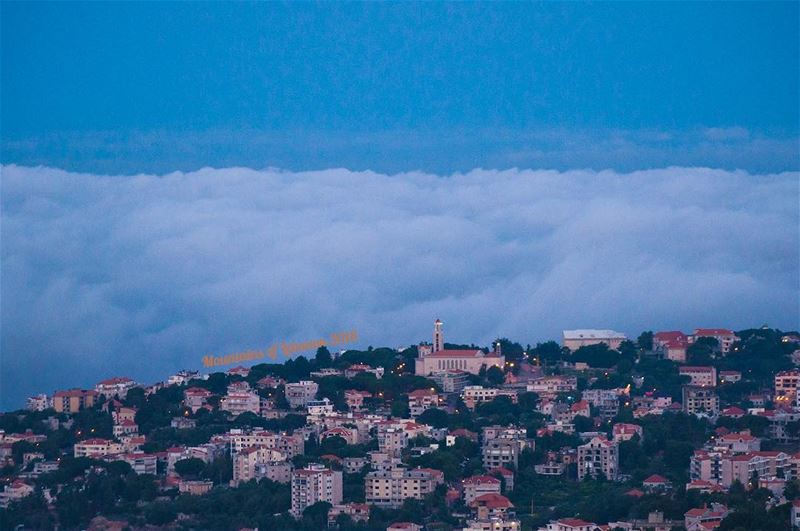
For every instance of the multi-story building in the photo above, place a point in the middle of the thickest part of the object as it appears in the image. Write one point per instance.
(195, 398)
(622, 431)
(786, 383)
(195, 487)
(358, 512)
(569, 524)
(723, 467)
(259, 463)
(598, 456)
(739, 443)
(73, 400)
(362, 368)
(479, 485)
(239, 402)
(115, 387)
(671, 345)
(550, 386)
(451, 380)
(317, 408)
(96, 448)
(38, 403)
(290, 445)
(420, 400)
(726, 338)
(388, 488)
(700, 376)
(299, 394)
(700, 401)
(730, 376)
(183, 377)
(501, 452)
(355, 399)
(605, 400)
(313, 484)
(434, 358)
(393, 436)
(472, 395)
(141, 463)
(575, 339)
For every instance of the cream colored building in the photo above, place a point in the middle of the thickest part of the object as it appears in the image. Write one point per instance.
(598, 456)
(96, 448)
(258, 463)
(389, 488)
(575, 339)
(434, 358)
(73, 400)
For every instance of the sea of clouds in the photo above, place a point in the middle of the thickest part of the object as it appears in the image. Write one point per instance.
(143, 275)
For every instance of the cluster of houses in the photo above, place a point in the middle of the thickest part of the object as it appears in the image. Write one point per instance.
(260, 454)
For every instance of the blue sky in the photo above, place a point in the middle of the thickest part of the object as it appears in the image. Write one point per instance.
(191, 178)
(128, 87)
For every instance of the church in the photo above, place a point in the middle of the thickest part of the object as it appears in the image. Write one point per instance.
(434, 358)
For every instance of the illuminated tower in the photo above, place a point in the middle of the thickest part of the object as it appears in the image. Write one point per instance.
(438, 336)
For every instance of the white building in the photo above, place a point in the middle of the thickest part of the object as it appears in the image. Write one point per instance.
(38, 403)
(434, 358)
(598, 456)
(240, 402)
(575, 339)
(183, 377)
(301, 393)
(320, 407)
(115, 387)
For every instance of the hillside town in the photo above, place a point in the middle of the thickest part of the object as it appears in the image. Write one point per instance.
(694, 430)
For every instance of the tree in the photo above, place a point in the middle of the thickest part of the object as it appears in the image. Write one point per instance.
(323, 357)
(645, 340)
(494, 375)
(400, 408)
(191, 467)
(435, 417)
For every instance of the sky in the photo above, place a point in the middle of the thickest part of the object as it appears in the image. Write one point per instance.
(190, 178)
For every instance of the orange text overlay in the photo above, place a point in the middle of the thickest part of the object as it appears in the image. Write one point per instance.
(286, 349)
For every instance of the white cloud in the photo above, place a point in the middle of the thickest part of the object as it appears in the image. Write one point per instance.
(143, 275)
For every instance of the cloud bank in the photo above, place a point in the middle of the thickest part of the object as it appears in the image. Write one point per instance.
(143, 275)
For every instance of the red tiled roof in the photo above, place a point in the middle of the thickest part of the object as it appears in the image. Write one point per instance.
(713, 332)
(116, 380)
(480, 480)
(492, 501)
(574, 522)
(457, 353)
(655, 478)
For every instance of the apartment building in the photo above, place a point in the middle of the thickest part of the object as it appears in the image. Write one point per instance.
(299, 394)
(598, 456)
(700, 401)
(472, 395)
(355, 399)
(238, 402)
(550, 386)
(290, 445)
(259, 463)
(115, 387)
(421, 400)
(671, 345)
(726, 338)
(183, 377)
(96, 448)
(141, 463)
(317, 408)
(388, 488)
(723, 468)
(393, 436)
(73, 400)
(38, 403)
(478, 486)
(700, 376)
(501, 452)
(605, 400)
(451, 380)
(786, 383)
(195, 398)
(622, 431)
(313, 484)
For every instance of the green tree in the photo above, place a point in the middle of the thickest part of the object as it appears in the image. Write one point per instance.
(191, 467)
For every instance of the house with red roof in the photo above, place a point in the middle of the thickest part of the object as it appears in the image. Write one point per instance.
(671, 345)
(656, 483)
(476, 486)
(724, 337)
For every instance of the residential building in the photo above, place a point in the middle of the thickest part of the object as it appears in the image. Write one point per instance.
(570, 524)
(313, 484)
(598, 456)
(14, 492)
(551, 386)
(195, 487)
(476, 486)
(355, 399)
(671, 345)
(605, 400)
(38, 403)
(258, 463)
(300, 393)
(725, 337)
(195, 398)
(388, 488)
(700, 376)
(622, 431)
(451, 380)
(501, 452)
(183, 377)
(73, 400)
(141, 463)
(705, 518)
(358, 512)
(96, 448)
(316, 408)
(362, 368)
(700, 401)
(737, 442)
(491, 506)
(472, 395)
(239, 402)
(115, 387)
(420, 400)
(730, 376)
(575, 339)
(786, 383)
